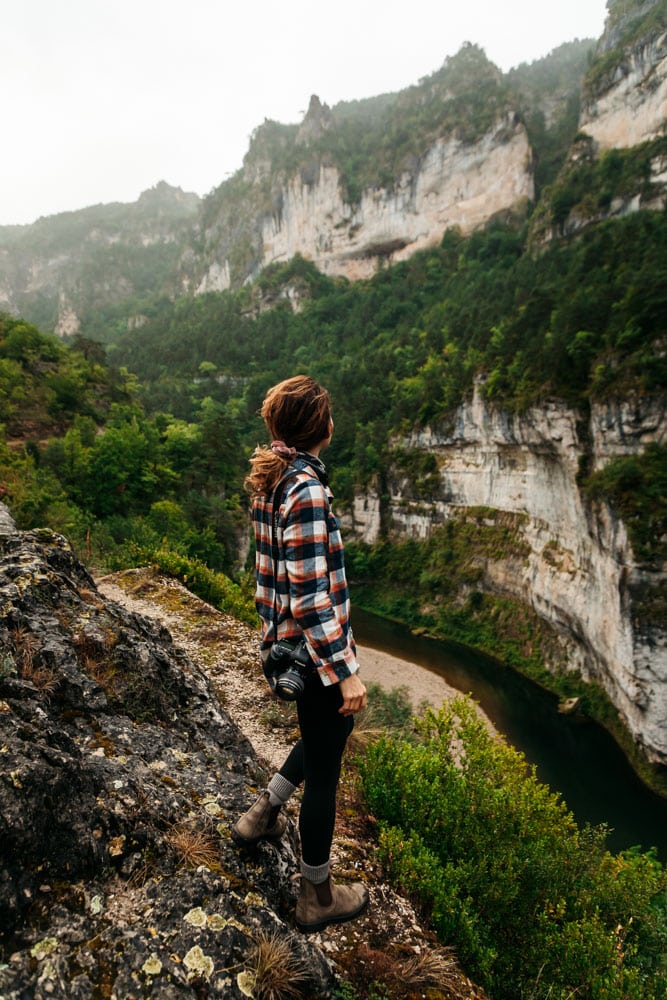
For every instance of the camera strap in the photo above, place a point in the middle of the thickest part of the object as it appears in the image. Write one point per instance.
(277, 497)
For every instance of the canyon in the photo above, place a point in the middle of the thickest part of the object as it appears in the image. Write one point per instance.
(573, 564)
(580, 573)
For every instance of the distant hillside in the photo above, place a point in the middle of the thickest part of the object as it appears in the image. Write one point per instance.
(103, 269)
(565, 141)
(82, 264)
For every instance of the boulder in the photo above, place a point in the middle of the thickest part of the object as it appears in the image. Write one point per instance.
(120, 778)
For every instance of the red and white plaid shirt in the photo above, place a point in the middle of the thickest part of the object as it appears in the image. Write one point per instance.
(309, 592)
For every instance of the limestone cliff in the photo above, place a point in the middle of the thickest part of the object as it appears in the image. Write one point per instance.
(452, 184)
(576, 568)
(625, 103)
(453, 178)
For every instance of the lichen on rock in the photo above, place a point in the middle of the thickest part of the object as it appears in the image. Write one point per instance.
(90, 882)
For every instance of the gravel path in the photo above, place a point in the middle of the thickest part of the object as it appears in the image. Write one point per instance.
(227, 651)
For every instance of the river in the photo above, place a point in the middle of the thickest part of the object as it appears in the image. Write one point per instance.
(572, 754)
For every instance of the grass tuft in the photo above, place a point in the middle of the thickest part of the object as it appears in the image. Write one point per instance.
(279, 973)
(193, 846)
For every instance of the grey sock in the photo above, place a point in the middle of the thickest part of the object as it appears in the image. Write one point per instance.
(279, 790)
(316, 873)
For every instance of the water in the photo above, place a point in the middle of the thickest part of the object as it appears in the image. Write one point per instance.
(573, 755)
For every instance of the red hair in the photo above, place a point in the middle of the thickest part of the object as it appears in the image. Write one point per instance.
(296, 411)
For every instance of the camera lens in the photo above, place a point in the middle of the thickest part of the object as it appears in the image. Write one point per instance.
(289, 685)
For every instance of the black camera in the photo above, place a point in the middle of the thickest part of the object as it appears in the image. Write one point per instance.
(287, 667)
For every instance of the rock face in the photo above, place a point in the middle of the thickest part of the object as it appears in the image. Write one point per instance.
(453, 184)
(631, 105)
(53, 271)
(120, 776)
(580, 573)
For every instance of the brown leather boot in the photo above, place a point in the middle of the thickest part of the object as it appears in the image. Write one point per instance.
(261, 822)
(328, 903)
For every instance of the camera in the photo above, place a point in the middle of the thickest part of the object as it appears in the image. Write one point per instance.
(287, 667)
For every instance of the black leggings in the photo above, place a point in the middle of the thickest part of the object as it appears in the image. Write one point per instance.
(316, 760)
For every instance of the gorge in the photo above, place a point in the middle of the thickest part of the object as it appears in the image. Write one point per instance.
(573, 563)
(359, 192)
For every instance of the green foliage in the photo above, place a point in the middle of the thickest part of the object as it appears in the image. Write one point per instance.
(636, 487)
(589, 185)
(632, 21)
(534, 906)
(115, 479)
(44, 385)
(215, 588)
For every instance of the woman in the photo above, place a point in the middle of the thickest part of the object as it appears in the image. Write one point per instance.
(302, 594)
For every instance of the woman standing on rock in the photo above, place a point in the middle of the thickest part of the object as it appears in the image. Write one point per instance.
(303, 602)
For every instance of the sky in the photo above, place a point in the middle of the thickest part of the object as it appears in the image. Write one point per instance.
(102, 99)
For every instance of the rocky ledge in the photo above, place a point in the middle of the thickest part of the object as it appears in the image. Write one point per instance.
(124, 760)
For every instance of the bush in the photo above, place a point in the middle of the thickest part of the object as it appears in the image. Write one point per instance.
(216, 588)
(534, 905)
(636, 487)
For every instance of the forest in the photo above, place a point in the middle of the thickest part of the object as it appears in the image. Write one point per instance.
(137, 452)
(178, 400)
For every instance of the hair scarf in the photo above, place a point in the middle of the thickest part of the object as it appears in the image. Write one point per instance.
(289, 454)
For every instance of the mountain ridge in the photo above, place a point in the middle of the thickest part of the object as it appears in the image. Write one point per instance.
(68, 288)
(363, 184)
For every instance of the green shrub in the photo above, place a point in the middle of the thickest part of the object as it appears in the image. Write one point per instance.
(216, 588)
(535, 906)
(636, 487)
(389, 709)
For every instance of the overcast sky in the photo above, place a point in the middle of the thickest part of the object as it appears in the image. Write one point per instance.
(104, 98)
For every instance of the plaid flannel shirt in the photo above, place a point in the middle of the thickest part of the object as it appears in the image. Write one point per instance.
(310, 589)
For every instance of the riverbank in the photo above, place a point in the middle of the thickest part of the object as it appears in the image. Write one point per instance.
(591, 699)
(423, 686)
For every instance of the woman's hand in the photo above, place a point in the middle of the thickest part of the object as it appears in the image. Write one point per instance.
(353, 691)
